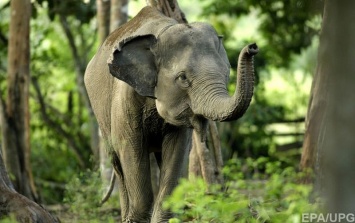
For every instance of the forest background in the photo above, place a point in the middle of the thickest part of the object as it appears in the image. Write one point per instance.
(263, 152)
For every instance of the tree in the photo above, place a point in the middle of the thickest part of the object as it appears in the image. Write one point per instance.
(169, 8)
(333, 102)
(14, 116)
(103, 19)
(315, 114)
(118, 14)
(64, 125)
(206, 160)
(80, 61)
(15, 111)
(18, 205)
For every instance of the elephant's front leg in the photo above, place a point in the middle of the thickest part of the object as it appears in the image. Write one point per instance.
(176, 145)
(136, 177)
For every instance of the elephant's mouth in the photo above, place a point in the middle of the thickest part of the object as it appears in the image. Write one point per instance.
(183, 118)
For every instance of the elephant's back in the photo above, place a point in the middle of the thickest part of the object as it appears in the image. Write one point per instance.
(148, 21)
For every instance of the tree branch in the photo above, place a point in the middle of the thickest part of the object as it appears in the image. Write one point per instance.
(217, 149)
(57, 128)
(80, 66)
(66, 120)
(208, 168)
(70, 37)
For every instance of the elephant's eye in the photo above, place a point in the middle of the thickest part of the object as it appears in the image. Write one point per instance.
(182, 80)
(182, 77)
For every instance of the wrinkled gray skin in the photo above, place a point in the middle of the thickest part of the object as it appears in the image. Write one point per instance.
(150, 83)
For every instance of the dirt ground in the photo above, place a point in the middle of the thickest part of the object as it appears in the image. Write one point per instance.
(63, 213)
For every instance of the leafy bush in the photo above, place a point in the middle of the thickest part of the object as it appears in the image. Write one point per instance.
(83, 195)
(279, 197)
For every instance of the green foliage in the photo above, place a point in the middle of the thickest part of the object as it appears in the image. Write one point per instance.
(286, 33)
(61, 125)
(194, 202)
(83, 11)
(275, 197)
(4, 29)
(8, 219)
(284, 24)
(281, 29)
(83, 195)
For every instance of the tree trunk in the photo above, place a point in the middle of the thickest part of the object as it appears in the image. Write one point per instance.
(205, 161)
(169, 8)
(15, 112)
(315, 114)
(194, 161)
(217, 151)
(119, 13)
(18, 205)
(336, 138)
(103, 19)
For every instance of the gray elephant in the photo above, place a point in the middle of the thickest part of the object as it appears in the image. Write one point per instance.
(151, 82)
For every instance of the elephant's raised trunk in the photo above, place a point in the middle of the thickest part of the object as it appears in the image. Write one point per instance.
(226, 108)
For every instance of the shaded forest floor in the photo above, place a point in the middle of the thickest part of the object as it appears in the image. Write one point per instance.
(66, 215)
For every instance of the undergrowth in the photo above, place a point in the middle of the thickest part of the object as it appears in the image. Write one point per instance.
(275, 196)
(255, 191)
(83, 195)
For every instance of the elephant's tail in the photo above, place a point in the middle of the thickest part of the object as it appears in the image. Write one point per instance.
(117, 170)
(110, 189)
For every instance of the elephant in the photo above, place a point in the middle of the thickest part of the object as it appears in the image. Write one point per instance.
(150, 84)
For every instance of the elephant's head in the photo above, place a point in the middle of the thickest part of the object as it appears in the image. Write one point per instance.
(186, 69)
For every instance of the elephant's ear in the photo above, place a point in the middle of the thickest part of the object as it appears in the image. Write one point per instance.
(134, 63)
